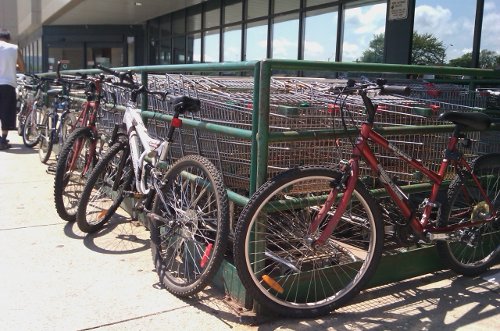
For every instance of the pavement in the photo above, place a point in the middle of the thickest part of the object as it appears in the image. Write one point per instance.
(53, 277)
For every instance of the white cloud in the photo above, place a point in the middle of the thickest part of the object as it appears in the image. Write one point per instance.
(350, 51)
(314, 47)
(491, 28)
(282, 48)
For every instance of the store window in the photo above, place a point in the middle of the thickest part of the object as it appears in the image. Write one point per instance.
(212, 14)
(281, 6)
(490, 41)
(364, 23)
(256, 47)
(194, 19)
(286, 37)
(179, 50)
(232, 44)
(257, 8)
(194, 48)
(320, 34)
(443, 31)
(212, 42)
(233, 11)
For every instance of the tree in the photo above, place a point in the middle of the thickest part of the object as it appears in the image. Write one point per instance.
(487, 60)
(427, 49)
(375, 52)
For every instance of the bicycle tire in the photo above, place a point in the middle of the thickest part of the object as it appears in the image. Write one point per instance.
(189, 243)
(102, 194)
(46, 138)
(472, 251)
(31, 132)
(277, 264)
(67, 127)
(69, 183)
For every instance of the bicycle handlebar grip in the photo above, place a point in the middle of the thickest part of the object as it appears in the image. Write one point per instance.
(394, 89)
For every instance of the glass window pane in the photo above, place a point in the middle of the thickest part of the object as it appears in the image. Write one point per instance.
(212, 14)
(232, 12)
(286, 37)
(361, 25)
(179, 50)
(320, 35)
(165, 26)
(74, 56)
(178, 22)
(445, 27)
(490, 42)
(212, 41)
(232, 44)
(257, 8)
(154, 40)
(281, 6)
(194, 19)
(256, 47)
(194, 48)
(165, 51)
(310, 3)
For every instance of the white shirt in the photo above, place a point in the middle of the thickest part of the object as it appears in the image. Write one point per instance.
(8, 61)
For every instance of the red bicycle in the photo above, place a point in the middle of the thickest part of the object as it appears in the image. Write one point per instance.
(79, 153)
(311, 238)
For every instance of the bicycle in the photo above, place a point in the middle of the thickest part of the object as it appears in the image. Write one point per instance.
(311, 238)
(30, 115)
(79, 153)
(58, 121)
(186, 206)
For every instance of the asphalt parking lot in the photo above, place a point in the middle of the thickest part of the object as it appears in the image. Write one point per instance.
(53, 277)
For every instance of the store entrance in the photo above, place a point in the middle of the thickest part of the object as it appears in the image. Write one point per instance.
(106, 55)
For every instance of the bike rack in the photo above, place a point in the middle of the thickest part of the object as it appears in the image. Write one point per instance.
(411, 261)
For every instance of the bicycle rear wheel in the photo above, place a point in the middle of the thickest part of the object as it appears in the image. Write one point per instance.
(46, 137)
(273, 254)
(189, 238)
(76, 161)
(471, 251)
(103, 191)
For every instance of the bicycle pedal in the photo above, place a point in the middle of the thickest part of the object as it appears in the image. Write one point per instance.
(51, 170)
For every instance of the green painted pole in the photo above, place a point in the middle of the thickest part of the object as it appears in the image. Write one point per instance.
(255, 123)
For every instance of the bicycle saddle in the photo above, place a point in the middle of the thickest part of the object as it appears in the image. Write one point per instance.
(54, 92)
(475, 120)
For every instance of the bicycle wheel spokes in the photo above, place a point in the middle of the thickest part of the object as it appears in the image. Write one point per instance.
(75, 163)
(472, 250)
(188, 246)
(103, 190)
(275, 253)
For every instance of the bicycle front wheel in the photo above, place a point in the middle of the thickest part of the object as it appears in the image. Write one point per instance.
(189, 238)
(103, 191)
(31, 127)
(75, 162)
(273, 251)
(471, 251)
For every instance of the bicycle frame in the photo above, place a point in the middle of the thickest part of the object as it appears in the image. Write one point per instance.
(422, 226)
(153, 148)
(88, 118)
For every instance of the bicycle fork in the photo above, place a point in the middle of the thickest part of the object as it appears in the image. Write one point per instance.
(346, 181)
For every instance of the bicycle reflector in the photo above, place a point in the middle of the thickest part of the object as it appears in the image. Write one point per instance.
(273, 284)
(176, 122)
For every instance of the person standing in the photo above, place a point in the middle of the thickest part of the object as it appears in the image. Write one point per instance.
(10, 62)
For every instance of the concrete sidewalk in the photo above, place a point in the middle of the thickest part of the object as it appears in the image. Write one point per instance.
(53, 277)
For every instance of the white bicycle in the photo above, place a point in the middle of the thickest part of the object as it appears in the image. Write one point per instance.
(186, 204)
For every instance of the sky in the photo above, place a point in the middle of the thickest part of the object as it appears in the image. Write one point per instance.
(451, 21)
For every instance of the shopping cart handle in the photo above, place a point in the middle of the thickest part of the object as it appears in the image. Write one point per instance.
(394, 89)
